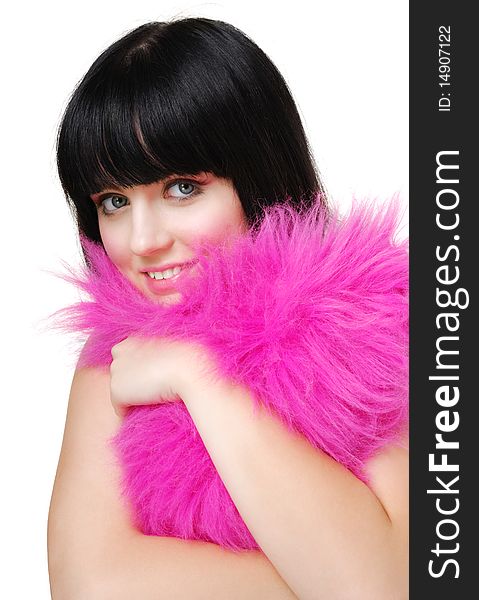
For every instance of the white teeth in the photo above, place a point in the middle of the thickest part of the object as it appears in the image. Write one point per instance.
(164, 274)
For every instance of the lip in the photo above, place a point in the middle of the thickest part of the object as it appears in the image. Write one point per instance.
(161, 287)
(158, 268)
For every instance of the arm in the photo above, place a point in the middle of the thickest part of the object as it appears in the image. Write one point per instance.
(328, 534)
(94, 552)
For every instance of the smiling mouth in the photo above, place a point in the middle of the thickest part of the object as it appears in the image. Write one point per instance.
(166, 274)
(164, 282)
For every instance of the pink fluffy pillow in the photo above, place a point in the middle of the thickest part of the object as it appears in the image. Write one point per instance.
(310, 312)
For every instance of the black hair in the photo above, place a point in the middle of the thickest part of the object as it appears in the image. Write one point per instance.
(182, 97)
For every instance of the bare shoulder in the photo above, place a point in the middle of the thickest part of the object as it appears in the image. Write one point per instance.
(90, 400)
(388, 475)
(87, 513)
(90, 423)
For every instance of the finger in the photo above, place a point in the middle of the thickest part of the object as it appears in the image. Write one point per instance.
(117, 347)
(120, 410)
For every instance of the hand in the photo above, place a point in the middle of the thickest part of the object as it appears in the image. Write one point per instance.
(151, 371)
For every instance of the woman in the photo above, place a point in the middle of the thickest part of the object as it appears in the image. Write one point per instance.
(179, 132)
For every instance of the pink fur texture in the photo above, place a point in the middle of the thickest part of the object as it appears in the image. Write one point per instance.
(310, 312)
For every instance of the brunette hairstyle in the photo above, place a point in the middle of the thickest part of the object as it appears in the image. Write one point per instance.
(183, 97)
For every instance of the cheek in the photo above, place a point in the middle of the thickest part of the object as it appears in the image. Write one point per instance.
(224, 221)
(115, 245)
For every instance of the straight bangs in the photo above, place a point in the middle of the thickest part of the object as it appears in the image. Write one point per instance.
(136, 128)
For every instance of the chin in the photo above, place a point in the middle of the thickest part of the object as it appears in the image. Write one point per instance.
(167, 299)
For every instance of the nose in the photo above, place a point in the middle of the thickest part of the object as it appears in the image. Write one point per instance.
(148, 234)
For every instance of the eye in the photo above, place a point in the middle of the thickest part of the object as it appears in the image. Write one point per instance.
(182, 189)
(112, 203)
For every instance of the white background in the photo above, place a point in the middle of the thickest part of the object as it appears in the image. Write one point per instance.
(346, 63)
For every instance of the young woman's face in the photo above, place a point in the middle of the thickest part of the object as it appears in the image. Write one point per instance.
(148, 230)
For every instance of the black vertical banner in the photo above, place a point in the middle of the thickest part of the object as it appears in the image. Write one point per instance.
(444, 227)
